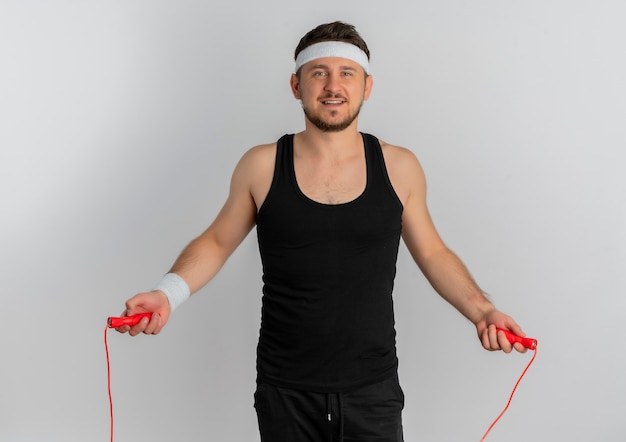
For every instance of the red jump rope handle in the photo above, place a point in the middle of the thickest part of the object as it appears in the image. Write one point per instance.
(114, 322)
(529, 343)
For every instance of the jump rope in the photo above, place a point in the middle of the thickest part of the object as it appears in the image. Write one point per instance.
(113, 322)
(529, 343)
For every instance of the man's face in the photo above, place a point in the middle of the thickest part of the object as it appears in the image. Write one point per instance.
(332, 91)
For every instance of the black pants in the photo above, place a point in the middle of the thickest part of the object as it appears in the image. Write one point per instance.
(368, 414)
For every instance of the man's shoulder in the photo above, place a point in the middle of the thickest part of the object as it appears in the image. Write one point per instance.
(255, 170)
(257, 165)
(394, 153)
(260, 153)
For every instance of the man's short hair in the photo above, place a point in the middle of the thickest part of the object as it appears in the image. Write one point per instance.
(335, 31)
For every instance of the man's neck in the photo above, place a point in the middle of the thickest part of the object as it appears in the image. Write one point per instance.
(320, 143)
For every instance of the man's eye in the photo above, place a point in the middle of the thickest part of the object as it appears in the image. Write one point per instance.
(319, 73)
(347, 74)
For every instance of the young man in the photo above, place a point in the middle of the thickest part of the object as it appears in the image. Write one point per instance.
(330, 205)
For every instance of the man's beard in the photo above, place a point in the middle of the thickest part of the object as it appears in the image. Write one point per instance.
(328, 127)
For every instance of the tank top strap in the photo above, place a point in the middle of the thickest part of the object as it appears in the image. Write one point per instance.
(284, 157)
(377, 175)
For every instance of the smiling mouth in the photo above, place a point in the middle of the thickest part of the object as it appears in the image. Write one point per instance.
(332, 101)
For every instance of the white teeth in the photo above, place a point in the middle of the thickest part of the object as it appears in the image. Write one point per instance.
(332, 102)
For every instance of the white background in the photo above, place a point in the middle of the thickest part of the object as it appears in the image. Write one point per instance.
(121, 121)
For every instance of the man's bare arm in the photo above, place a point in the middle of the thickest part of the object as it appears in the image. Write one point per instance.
(441, 266)
(203, 257)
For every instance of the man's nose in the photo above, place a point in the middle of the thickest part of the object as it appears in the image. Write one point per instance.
(332, 83)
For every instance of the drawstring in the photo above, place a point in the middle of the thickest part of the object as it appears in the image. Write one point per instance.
(329, 412)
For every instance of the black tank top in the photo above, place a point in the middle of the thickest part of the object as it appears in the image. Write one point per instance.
(327, 319)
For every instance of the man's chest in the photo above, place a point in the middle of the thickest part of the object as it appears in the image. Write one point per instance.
(332, 184)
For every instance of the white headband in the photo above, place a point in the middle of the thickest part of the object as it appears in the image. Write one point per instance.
(339, 49)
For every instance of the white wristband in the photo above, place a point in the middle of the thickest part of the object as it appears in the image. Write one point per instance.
(175, 288)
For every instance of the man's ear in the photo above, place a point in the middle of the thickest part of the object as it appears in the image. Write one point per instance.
(369, 83)
(295, 86)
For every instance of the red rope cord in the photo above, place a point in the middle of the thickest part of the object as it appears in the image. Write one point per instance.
(510, 397)
(106, 347)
